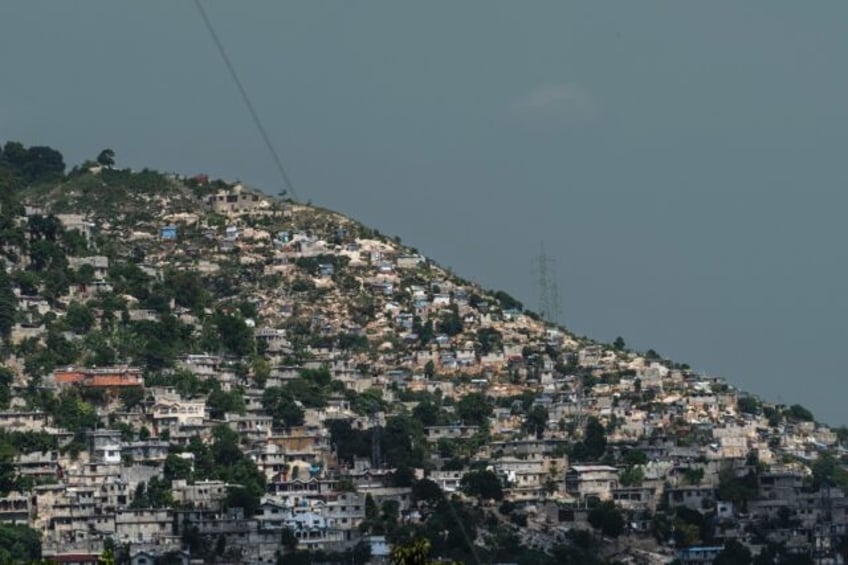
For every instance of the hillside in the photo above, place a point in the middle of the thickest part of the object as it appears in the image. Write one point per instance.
(345, 394)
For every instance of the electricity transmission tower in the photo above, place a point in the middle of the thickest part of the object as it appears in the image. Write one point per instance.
(549, 305)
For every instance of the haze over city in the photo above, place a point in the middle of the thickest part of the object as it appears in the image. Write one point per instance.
(682, 163)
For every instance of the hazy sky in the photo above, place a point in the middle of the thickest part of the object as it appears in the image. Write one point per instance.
(684, 163)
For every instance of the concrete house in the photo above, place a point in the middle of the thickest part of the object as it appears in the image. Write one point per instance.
(584, 481)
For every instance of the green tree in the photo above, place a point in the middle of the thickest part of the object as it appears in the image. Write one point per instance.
(596, 439)
(635, 457)
(73, 413)
(280, 404)
(403, 444)
(474, 409)
(187, 289)
(79, 318)
(450, 323)
(413, 553)
(736, 489)
(8, 305)
(798, 412)
(106, 158)
(482, 484)
(693, 475)
(748, 405)
(220, 402)
(427, 491)
(235, 335)
(177, 468)
(6, 379)
(829, 472)
(537, 421)
(608, 519)
(734, 553)
(427, 412)
(19, 544)
(631, 476)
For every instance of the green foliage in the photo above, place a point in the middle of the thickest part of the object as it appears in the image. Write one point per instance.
(490, 340)
(736, 489)
(188, 290)
(748, 405)
(403, 443)
(474, 409)
(220, 402)
(8, 480)
(366, 402)
(224, 460)
(106, 158)
(280, 404)
(799, 413)
(594, 444)
(73, 413)
(33, 164)
(631, 476)
(177, 468)
(507, 302)
(311, 265)
(186, 383)
(128, 278)
(428, 413)
(482, 484)
(131, 397)
(828, 472)
(693, 475)
(6, 379)
(8, 305)
(537, 421)
(155, 344)
(450, 323)
(608, 519)
(734, 553)
(412, 553)
(28, 442)
(349, 443)
(236, 337)
(427, 491)
(79, 318)
(156, 493)
(19, 544)
(635, 457)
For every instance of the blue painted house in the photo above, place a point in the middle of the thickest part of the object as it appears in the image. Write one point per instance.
(168, 232)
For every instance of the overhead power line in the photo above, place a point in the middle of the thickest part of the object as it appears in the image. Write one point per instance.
(287, 184)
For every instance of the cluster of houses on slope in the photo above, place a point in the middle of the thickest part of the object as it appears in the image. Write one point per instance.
(688, 426)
